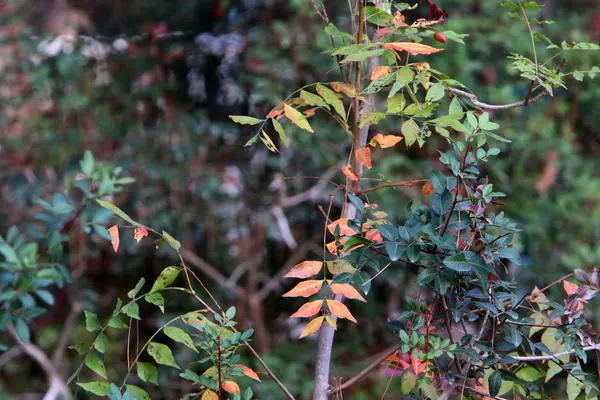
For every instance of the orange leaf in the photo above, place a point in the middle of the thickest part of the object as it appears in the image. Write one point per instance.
(114, 234)
(249, 372)
(331, 322)
(341, 87)
(305, 289)
(427, 188)
(209, 395)
(570, 288)
(411, 48)
(304, 269)
(386, 140)
(139, 233)
(312, 327)
(230, 387)
(345, 289)
(380, 72)
(308, 309)
(338, 309)
(364, 156)
(345, 230)
(349, 174)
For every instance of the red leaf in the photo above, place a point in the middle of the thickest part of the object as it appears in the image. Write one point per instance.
(114, 234)
(308, 309)
(338, 309)
(364, 156)
(427, 188)
(411, 48)
(249, 372)
(304, 269)
(305, 289)
(570, 288)
(347, 290)
(349, 174)
(139, 233)
(440, 37)
(276, 112)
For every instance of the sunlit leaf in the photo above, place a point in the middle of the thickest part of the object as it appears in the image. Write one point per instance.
(346, 170)
(304, 269)
(305, 289)
(410, 130)
(411, 48)
(162, 354)
(249, 372)
(297, 118)
(380, 72)
(308, 309)
(230, 387)
(331, 322)
(166, 277)
(344, 228)
(244, 120)
(386, 140)
(340, 310)
(93, 362)
(312, 327)
(345, 289)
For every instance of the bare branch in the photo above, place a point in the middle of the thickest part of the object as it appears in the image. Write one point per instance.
(284, 227)
(496, 107)
(393, 184)
(63, 342)
(209, 270)
(554, 356)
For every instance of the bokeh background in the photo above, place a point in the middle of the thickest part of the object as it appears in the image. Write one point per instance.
(147, 85)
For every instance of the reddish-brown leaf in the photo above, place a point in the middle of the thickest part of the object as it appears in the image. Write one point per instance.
(276, 112)
(308, 309)
(364, 156)
(380, 72)
(345, 289)
(114, 234)
(231, 387)
(139, 233)
(346, 170)
(304, 269)
(427, 188)
(386, 140)
(345, 230)
(312, 327)
(340, 310)
(411, 48)
(440, 37)
(249, 372)
(305, 289)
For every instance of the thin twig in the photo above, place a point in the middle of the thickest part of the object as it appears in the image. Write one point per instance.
(557, 281)
(555, 355)
(381, 357)
(389, 185)
(496, 107)
(65, 336)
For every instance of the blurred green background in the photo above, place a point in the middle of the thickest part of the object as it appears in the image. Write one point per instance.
(148, 87)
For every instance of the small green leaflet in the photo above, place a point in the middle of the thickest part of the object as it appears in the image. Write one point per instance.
(92, 323)
(313, 99)
(331, 98)
(133, 292)
(98, 388)
(172, 241)
(252, 140)
(435, 93)
(494, 383)
(166, 277)
(93, 362)
(297, 118)
(410, 130)
(87, 164)
(371, 118)
(162, 354)
(157, 299)
(281, 132)
(135, 393)
(180, 336)
(132, 310)
(241, 119)
(396, 104)
(100, 342)
(147, 372)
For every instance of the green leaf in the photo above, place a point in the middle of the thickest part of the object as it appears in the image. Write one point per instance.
(162, 354)
(166, 277)
(532, 5)
(93, 362)
(573, 387)
(410, 131)
(408, 382)
(435, 93)
(396, 104)
(281, 132)
(371, 118)
(23, 330)
(529, 374)
(92, 324)
(100, 342)
(133, 292)
(331, 98)
(132, 310)
(46, 296)
(313, 99)
(116, 323)
(405, 75)
(157, 299)
(377, 16)
(297, 118)
(455, 106)
(252, 140)
(244, 120)
(87, 164)
(426, 276)
(135, 393)
(120, 213)
(357, 202)
(180, 336)
(395, 250)
(174, 243)
(494, 383)
(98, 388)
(578, 75)
(147, 372)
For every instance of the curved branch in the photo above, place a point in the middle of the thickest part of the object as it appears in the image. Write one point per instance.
(496, 107)
(595, 347)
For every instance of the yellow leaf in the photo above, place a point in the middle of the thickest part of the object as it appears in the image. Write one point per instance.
(114, 234)
(305, 289)
(364, 156)
(386, 140)
(338, 309)
(347, 290)
(304, 269)
(312, 327)
(380, 72)
(297, 118)
(308, 309)
(346, 170)
(249, 372)
(411, 48)
(268, 142)
(230, 387)
(209, 395)
(331, 322)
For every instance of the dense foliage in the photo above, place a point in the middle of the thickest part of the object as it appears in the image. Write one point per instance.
(441, 285)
